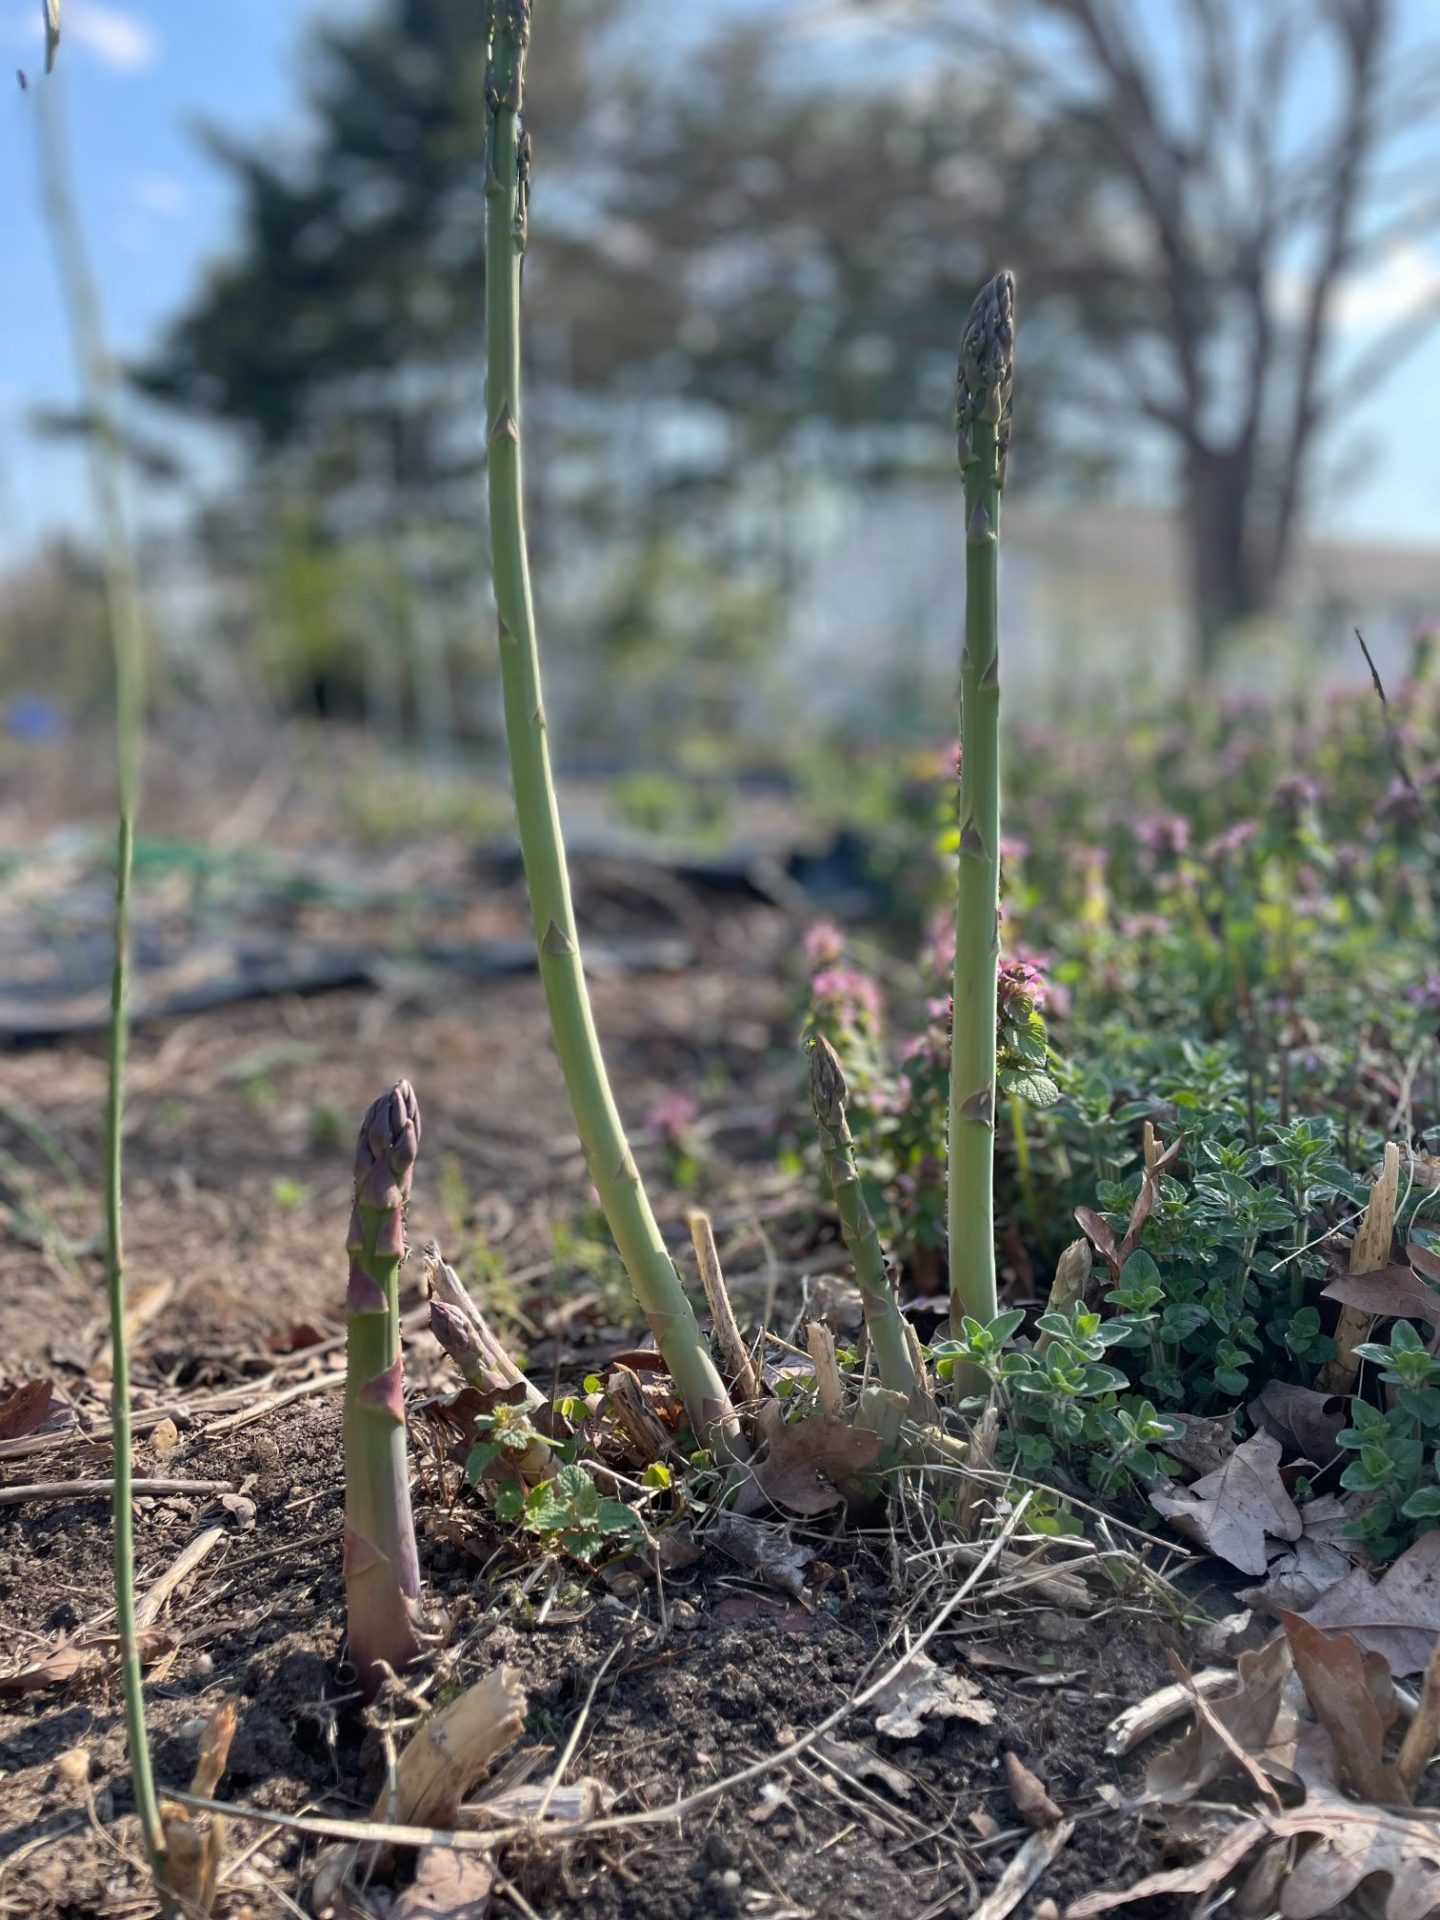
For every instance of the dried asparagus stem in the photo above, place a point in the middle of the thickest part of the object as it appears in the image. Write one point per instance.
(597, 1121)
(982, 420)
(382, 1569)
(883, 1319)
(127, 637)
(722, 1314)
(464, 1332)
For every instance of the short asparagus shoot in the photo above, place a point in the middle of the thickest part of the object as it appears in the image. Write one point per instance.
(597, 1121)
(982, 419)
(883, 1320)
(382, 1569)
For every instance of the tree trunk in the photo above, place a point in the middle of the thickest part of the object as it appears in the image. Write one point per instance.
(1226, 586)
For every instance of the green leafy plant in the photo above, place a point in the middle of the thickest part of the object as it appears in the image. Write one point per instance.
(1397, 1465)
(567, 1514)
(1068, 1406)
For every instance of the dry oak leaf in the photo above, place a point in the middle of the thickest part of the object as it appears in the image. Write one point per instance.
(1352, 1695)
(1321, 1556)
(1247, 1716)
(1394, 1293)
(921, 1691)
(804, 1459)
(1301, 1418)
(1397, 1615)
(27, 1409)
(1204, 1443)
(1350, 1845)
(1233, 1511)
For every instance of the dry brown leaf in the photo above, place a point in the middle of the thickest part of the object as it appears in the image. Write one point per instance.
(855, 1761)
(1394, 1293)
(1145, 1200)
(452, 1749)
(765, 1548)
(1234, 1510)
(1028, 1795)
(1247, 1717)
(1097, 1231)
(448, 1885)
(27, 1409)
(1423, 1261)
(922, 1691)
(1397, 1615)
(1320, 1557)
(1202, 1877)
(1204, 1443)
(807, 1461)
(1352, 1695)
(1300, 1418)
(51, 1669)
(1351, 1845)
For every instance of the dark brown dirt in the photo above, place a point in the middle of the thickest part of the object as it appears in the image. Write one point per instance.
(262, 1622)
(239, 1127)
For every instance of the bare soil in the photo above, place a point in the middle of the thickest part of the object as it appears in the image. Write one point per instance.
(239, 1127)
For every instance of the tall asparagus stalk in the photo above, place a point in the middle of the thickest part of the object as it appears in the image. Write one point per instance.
(127, 639)
(382, 1570)
(982, 420)
(883, 1320)
(597, 1121)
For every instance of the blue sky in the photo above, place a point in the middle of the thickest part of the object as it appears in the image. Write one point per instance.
(140, 74)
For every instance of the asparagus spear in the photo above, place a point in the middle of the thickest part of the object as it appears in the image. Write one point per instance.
(597, 1121)
(382, 1571)
(883, 1320)
(982, 418)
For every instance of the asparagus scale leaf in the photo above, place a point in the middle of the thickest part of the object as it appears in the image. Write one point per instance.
(382, 1569)
(597, 1121)
(982, 421)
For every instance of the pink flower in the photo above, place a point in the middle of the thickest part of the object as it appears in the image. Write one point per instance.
(850, 996)
(824, 944)
(1022, 978)
(672, 1118)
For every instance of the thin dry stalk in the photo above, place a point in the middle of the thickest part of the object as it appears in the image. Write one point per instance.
(1369, 1251)
(829, 1387)
(1417, 1749)
(722, 1316)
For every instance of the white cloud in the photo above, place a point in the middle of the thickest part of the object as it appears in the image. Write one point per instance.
(1403, 282)
(118, 39)
(160, 195)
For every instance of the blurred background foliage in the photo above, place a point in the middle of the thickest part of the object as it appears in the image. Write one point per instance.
(755, 232)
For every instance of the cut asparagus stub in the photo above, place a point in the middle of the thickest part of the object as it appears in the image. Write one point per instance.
(382, 1569)
(612, 1166)
(982, 418)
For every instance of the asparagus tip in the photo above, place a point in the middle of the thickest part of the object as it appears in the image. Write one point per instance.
(387, 1149)
(828, 1091)
(987, 366)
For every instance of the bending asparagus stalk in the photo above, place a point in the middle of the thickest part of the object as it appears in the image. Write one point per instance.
(382, 1570)
(607, 1152)
(982, 420)
(883, 1319)
(127, 637)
